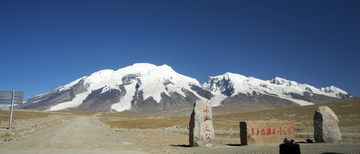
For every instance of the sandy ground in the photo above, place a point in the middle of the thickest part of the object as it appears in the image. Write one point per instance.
(84, 134)
(79, 135)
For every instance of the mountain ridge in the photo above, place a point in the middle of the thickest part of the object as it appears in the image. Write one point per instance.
(148, 88)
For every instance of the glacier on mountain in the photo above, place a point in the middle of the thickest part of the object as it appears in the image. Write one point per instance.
(232, 84)
(153, 81)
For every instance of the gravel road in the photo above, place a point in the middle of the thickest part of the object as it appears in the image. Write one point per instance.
(80, 135)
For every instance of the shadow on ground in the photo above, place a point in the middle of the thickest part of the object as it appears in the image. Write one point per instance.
(183, 145)
(235, 145)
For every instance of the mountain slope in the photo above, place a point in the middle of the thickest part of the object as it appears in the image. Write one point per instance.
(147, 89)
(277, 92)
(120, 90)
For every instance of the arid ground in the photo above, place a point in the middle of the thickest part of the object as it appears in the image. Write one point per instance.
(92, 132)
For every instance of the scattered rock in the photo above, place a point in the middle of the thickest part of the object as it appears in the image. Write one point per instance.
(127, 143)
(201, 132)
(309, 141)
(326, 126)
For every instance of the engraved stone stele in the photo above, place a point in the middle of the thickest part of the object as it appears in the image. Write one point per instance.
(201, 130)
(326, 128)
(260, 132)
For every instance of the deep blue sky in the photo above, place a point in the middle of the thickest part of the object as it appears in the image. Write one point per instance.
(47, 44)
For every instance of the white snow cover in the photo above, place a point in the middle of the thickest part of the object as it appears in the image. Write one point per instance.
(125, 102)
(151, 78)
(332, 90)
(277, 87)
(68, 86)
(154, 80)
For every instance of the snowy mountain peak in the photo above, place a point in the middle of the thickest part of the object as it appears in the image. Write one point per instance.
(282, 81)
(231, 84)
(333, 89)
(147, 87)
(151, 80)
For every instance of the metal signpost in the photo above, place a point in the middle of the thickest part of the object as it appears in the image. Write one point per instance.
(11, 97)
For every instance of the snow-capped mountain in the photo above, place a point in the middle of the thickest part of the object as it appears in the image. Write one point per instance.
(231, 85)
(145, 88)
(124, 89)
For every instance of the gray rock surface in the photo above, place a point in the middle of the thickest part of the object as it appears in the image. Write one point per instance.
(326, 126)
(201, 131)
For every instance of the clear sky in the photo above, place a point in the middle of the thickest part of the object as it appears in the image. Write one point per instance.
(49, 43)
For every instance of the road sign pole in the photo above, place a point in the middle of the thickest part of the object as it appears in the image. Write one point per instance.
(12, 108)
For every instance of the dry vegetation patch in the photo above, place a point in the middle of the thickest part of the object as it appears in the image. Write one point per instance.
(77, 112)
(20, 116)
(348, 113)
(128, 121)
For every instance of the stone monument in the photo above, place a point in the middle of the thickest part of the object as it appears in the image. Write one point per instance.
(326, 126)
(201, 130)
(260, 132)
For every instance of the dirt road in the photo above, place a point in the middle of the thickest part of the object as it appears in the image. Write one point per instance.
(80, 135)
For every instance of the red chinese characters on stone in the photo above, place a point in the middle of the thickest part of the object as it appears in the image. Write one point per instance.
(207, 128)
(263, 131)
(268, 131)
(252, 131)
(206, 119)
(274, 131)
(207, 137)
(271, 131)
(206, 110)
(289, 130)
(284, 132)
(280, 131)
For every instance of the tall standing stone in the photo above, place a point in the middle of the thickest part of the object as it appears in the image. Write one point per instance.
(201, 130)
(326, 126)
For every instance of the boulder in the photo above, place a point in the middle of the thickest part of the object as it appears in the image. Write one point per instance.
(201, 130)
(326, 126)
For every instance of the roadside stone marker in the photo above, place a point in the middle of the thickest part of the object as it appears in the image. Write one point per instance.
(326, 128)
(201, 130)
(258, 132)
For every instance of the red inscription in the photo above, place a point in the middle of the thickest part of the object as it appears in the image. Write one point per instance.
(284, 132)
(274, 131)
(280, 131)
(206, 110)
(207, 128)
(269, 131)
(289, 130)
(207, 137)
(263, 131)
(253, 131)
(206, 119)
